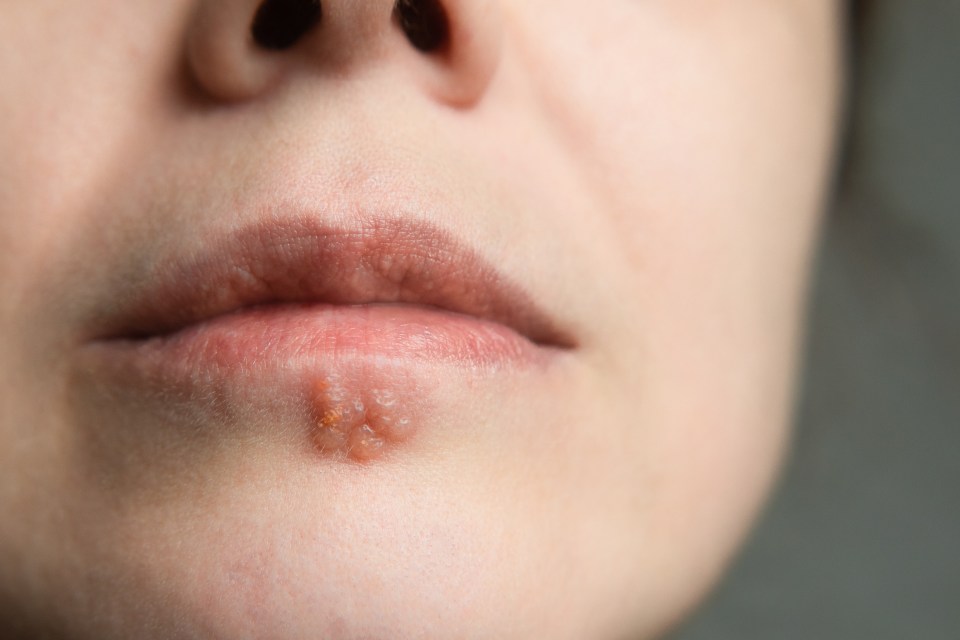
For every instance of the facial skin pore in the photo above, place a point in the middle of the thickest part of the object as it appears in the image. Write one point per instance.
(600, 407)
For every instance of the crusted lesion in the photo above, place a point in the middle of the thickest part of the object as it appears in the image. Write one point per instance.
(345, 426)
(331, 418)
(329, 438)
(329, 435)
(365, 443)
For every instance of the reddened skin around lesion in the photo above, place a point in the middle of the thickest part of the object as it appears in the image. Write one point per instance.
(356, 419)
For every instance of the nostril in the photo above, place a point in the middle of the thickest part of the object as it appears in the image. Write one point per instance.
(424, 22)
(280, 23)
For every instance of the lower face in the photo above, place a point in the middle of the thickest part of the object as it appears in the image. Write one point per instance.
(343, 360)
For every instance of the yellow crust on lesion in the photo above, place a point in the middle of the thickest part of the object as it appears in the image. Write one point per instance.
(329, 435)
(331, 418)
(354, 429)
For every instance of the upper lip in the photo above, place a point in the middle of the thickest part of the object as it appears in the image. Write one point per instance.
(307, 260)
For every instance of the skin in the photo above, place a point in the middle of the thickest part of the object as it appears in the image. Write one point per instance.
(662, 165)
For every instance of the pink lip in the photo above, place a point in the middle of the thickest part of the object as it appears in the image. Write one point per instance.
(375, 261)
(328, 318)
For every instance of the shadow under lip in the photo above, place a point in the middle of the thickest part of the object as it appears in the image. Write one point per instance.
(375, 260)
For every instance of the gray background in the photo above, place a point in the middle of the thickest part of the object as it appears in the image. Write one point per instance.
(860, 541)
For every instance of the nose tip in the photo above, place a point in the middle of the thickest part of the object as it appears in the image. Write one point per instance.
(238, 49)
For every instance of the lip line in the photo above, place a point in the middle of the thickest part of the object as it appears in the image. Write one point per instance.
(375, 260)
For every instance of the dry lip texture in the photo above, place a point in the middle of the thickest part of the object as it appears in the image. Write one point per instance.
(354, 321)
(372, 260)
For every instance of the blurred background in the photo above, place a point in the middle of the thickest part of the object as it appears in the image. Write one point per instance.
(861, 539)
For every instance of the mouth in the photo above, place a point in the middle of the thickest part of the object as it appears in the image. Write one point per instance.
(304, 261)
(357, 327)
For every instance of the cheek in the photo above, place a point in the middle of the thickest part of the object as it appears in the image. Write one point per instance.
(674, 101)
(73, 110)
(703, 141)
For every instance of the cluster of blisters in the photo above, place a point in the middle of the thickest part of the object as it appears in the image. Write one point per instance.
(356, 422)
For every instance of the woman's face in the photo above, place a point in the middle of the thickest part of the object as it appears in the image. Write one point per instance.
(353, 340)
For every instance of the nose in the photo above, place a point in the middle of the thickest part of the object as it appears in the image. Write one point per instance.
(239, 49)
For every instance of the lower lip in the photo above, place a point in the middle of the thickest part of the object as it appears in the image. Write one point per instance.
(363, 376)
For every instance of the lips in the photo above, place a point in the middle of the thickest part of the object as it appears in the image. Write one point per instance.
(328, 319)
(307, 262)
